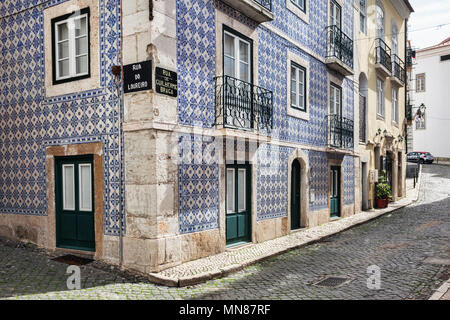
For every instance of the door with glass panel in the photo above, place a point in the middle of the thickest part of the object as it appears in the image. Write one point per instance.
(74, 197)
(335, 191)
(237, 69)
(238, 204)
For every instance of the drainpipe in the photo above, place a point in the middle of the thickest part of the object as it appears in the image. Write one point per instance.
(121, 106)
(406, 83)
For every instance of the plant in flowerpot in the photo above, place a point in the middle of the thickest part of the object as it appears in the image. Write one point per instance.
(382, 192)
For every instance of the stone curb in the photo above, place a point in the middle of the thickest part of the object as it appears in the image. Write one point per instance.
(439, 293)
(227, 270)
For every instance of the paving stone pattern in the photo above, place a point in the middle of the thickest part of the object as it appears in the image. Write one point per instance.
(398, 243)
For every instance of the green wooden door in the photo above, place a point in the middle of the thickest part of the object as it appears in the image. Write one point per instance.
(295, 195)
(238, 204)
(74, 197)
(335, 191)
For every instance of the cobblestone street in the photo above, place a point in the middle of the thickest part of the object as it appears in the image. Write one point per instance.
(410, 246)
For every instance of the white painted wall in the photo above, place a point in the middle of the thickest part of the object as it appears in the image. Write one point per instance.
(435, 138)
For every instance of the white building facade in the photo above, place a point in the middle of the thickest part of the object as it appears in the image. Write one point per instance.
(431, 81)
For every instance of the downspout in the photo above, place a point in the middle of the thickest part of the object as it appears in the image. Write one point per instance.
(121, 156)
(406, 84)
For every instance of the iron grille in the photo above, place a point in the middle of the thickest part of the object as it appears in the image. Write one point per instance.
(408, 112)
(339, 45)
(242, 105)
(383, 54)
(265, 3)
(398, 68)
(340, 131)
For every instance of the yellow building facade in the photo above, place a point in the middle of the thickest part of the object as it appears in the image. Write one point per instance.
(380, 77)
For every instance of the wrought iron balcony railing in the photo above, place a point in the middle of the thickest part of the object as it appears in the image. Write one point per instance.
(265, 3)
(339, 45)
(340, 131)
(383, 55)
(398, 68)
(408, 112)
(242, 105)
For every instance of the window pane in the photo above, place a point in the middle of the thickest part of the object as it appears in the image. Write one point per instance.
(81, 45)
(244, 52)
(332, 109)
(241, 190)
(293, 86)
(230, 191)
(63, 67)
(229, 67)
(82, 64)
(85, 187)
(301, 100)
(63, 50)
(81, 27)
(68, 187)
(63, 31)
(244, 72)
(229, 45)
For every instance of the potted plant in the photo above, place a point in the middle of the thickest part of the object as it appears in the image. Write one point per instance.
(382, 192)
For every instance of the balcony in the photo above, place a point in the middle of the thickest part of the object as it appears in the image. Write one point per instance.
(408, 114)
(340, 132)
(398, 71)
(339, 51)
(410, 54)
(258, 10)
(383, 62)
(242, 105)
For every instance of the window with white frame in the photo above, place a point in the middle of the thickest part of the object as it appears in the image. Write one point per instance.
(394, 40)
(380, 97)
(380, 22)
(300, 3)
(335, 99)
(363, 15)
(395, 105)
(237, 57)
(420, 82)
(298, 87)
(71, 47)
(335, 14)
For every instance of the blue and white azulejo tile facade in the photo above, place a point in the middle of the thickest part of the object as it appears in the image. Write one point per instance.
(30, 121)
(197, 51)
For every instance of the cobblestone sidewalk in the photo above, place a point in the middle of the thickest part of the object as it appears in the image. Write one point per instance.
(410, 246)
(222, 264)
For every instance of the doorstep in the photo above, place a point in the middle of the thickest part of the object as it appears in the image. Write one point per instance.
(230, 261)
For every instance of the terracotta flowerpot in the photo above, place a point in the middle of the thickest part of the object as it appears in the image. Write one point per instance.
(382, 203)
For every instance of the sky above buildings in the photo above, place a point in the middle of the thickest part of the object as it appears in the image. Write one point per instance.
(430, 23)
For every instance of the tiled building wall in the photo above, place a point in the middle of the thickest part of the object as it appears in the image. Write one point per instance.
(198, 183)
(196, 30)
(29, 121)
(272, 181)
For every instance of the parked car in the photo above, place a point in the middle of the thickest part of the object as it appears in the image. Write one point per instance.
(412, 156)
(420, 156)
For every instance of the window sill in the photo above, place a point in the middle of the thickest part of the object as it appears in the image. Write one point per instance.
(297, 113)
(297, 11)
(380, 117)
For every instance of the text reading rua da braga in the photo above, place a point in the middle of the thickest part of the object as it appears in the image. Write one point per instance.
(226, 309)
